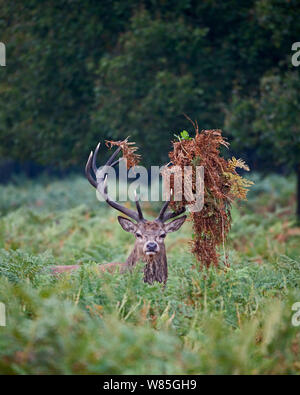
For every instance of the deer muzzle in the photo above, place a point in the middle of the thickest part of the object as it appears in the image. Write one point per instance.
(151, 248)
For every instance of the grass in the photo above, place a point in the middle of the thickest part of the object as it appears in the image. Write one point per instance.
(234, 320)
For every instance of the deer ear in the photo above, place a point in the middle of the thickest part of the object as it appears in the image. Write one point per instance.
(127, 225)
(173, 226)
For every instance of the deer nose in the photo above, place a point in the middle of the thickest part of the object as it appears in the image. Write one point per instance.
(151, 246)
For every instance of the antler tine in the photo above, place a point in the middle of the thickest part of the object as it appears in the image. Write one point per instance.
(101, 183)
(173, 214)
(116, 161)
(138, 207)
(111, 159)
(165, 216)
(163, 210)
(88, 168)
(108, 163)
(94, 166)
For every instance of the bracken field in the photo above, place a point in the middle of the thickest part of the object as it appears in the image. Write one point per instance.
(235, 319)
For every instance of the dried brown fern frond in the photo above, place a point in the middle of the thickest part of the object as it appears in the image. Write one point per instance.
(128, 149)
(233, 163)
(239, 186)
(222, 185)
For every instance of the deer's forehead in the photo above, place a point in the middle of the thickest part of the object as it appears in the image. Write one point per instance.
(151, 227)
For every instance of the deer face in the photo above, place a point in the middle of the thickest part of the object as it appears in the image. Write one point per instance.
(150, 235)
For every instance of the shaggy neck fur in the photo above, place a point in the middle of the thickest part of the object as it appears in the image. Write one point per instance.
(156, 268)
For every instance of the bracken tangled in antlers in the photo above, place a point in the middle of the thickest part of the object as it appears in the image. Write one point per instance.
(222, 185)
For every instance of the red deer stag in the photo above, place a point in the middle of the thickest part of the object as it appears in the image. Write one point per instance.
(149, 244)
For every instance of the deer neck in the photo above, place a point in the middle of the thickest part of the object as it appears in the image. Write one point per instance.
(155, 269)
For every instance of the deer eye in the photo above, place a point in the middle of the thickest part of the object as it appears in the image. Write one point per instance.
(163, 235)
(138, 235)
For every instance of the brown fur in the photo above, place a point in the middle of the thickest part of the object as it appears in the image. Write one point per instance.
(156, 268)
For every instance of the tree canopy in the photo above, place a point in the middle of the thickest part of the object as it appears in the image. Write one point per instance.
(80, 72)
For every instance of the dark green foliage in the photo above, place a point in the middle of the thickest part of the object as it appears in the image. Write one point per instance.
(264, 119)
(269, 122)
(47, 87)
(19, 265)
(79, 72)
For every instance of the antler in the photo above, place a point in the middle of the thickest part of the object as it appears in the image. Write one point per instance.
(165, 216)
(100, 183)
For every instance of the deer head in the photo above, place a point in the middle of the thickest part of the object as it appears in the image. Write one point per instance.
(149, 244)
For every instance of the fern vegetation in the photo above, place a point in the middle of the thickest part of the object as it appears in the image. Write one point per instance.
(230, 320)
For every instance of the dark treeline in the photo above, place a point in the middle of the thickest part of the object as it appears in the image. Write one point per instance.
(80, 71)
